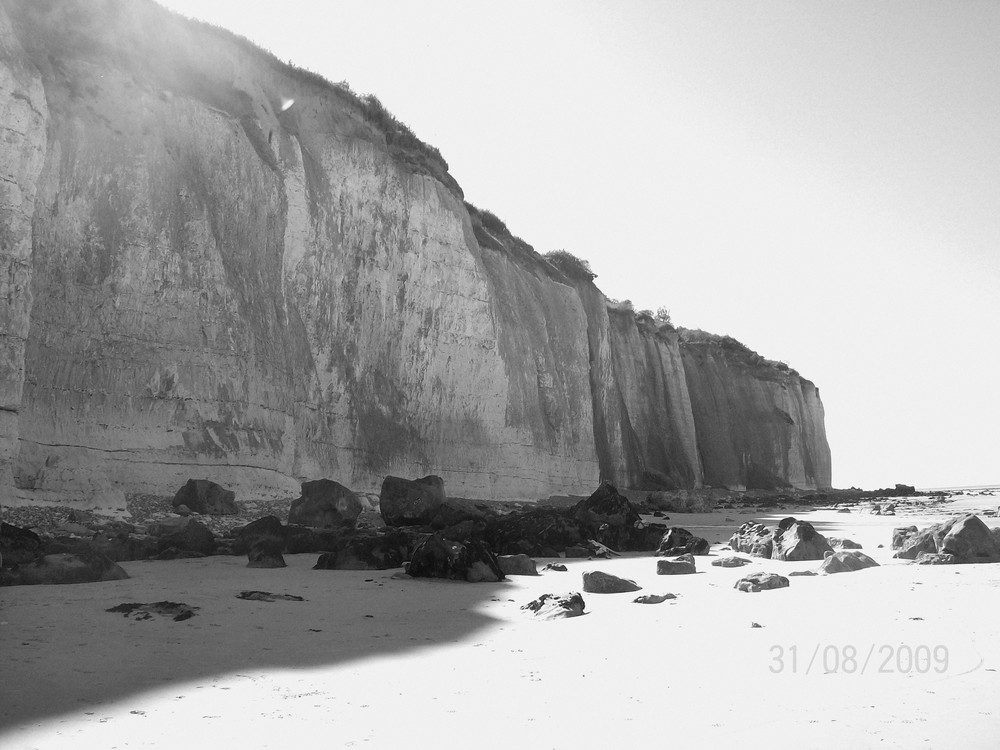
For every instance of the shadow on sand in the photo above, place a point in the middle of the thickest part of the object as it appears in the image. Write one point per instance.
(64, 654)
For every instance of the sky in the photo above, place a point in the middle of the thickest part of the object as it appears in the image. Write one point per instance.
(818, 180)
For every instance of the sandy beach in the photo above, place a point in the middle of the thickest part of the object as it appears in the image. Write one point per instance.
(901, 655)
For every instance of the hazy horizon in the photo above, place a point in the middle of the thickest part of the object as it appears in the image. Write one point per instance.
(819, 181)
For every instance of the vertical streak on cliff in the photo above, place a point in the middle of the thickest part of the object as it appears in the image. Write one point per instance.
(23, 121)
(755, 419)
(263, 295)
(644, 430)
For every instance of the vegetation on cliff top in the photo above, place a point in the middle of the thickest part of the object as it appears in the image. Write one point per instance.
(569, 264)
(734, 350)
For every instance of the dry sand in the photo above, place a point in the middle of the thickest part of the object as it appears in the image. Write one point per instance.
(369, 660)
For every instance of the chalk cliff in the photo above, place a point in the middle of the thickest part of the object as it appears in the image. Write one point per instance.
(216, 265)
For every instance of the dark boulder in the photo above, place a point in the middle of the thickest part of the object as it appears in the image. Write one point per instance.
(682, 565)
(761, 582)
(970, 541)
(556, 567)
(265, 552)
(187, 539)
(303, 539)
(266, 528)
(517, 565)
(555, 607)
(613, 520)
(543, 532)
(411, 502)
(796, 540)
(678, 541)
(599, 582)
(18, 546)
(206, 497)
(438, 557)
(752, 539)
(121, 546)
(369, 551)
(84, 567)
(846, 561)
(966, 538)
(325, 504)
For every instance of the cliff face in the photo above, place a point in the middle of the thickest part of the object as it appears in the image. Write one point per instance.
(227, 286)
(759, 425)
(23, 119)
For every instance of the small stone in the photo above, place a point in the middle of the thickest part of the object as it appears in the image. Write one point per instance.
(653, 598)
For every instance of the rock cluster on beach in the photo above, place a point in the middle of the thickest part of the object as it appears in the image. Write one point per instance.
(963, 539)
(792, 540)
(430, 534)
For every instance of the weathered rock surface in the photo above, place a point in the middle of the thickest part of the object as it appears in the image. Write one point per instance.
(517, 565)
(611, 519)
(207, 497)
(325, 504)
(17, 545)
(681, 565)
(846, 561)
(82, 567)
(556, 606)
(752, 538)
(266, 553)
(838, 543)
(266, 294)
(731, 561)
(183, 538)
(761, 582)
(966, 538)
(678, 541)
(599, 582)
(266, 528)
(423, 502)
(544, 532)
(438, 557)
(935, 558)
(369, 551)
(796, 540)
(901, 534)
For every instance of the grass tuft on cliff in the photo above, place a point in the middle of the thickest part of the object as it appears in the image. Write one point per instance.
(569, 264)
(734, 350)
